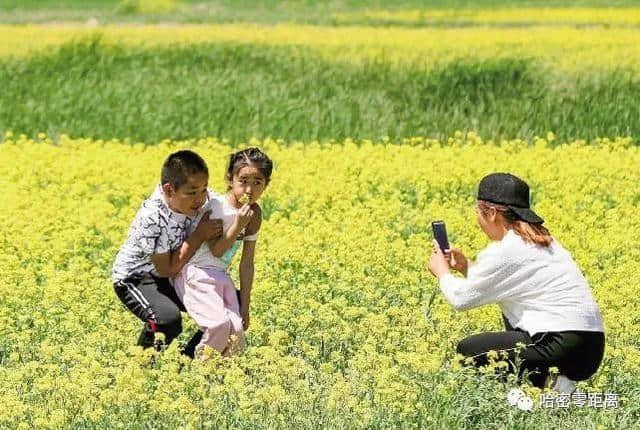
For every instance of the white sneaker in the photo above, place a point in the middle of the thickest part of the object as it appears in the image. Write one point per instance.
(564, 385)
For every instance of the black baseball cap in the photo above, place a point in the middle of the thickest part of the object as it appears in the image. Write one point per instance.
(511, 191)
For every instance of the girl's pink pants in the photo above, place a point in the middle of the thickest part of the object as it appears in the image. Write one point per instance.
(210, 298)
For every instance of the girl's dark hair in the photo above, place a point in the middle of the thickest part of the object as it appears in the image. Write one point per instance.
(250, 156)
(532, 233)
(179, 165)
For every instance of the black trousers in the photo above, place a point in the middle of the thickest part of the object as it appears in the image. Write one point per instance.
(577, 354)
(155, 302)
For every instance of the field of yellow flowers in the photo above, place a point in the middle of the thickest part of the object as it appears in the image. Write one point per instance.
(348, 328)
(507, 16)
(569, 48)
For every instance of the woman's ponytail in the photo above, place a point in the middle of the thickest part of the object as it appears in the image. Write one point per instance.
(532, 233)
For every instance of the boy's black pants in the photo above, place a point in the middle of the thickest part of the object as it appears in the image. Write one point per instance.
(577, 354)
(155, 302)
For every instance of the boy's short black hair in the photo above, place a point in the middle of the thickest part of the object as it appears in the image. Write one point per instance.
(179, 165)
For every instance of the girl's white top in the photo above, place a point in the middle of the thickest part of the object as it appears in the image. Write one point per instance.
(220, 208)
(538, 288)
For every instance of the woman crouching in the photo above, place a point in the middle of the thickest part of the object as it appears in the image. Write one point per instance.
(545, 300)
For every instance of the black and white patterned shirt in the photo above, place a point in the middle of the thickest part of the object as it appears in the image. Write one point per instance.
(156, 229)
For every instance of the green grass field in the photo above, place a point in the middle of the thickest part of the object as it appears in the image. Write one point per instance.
(268, 11)
(241, 91)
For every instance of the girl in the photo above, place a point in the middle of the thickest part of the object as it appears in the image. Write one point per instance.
(545, 300)
(204, 285)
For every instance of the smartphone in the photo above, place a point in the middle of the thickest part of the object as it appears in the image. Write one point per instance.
(440, 234)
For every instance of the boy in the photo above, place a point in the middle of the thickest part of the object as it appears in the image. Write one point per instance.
(158, 246)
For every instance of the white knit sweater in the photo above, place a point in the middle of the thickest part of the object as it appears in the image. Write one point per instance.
(538, 288)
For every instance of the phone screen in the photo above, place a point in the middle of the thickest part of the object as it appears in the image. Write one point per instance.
(440, 234)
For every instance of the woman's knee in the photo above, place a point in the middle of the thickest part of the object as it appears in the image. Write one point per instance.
(469, 346)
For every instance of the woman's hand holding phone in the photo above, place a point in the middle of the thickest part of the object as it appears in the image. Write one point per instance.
(456, 260)
(438, 264)
(443, 254)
